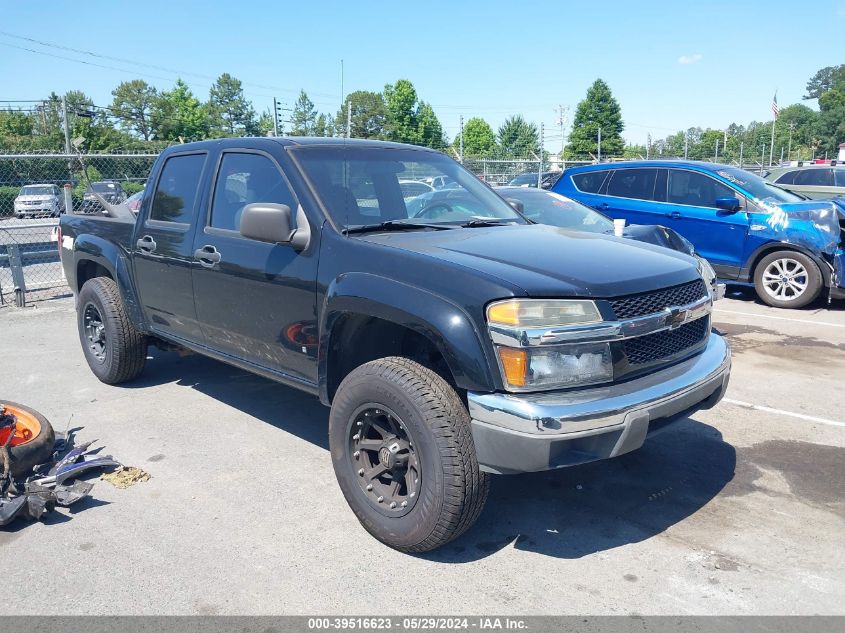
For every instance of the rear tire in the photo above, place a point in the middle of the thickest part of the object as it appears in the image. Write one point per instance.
(431, 427)
(115, 350)
(36, 451)
(787, 279)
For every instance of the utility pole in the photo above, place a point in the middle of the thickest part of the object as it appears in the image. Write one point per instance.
(599, 148)
(561, 121)
(349, 118)
(647, 145)
(762, 158)
(686, 145)
(542, 147)
(461, 154)
(741, 144)
(67, 128)
(275, 117)
(716, 157)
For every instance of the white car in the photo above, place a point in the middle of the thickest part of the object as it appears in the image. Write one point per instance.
(39, 200)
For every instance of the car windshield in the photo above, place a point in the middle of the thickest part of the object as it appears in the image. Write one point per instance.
(36, 191)
(362, 186)
(756, 186)
(546, 207)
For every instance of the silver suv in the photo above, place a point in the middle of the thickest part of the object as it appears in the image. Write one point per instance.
(39, 200)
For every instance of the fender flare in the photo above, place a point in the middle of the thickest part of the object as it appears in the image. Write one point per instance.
(108, 255)
(446, 325)
(747, 272)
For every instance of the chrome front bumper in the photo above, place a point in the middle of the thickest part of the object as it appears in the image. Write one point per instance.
(540, 431)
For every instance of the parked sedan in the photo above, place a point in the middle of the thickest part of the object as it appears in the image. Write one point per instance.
(39, 200)
(813, 181)
(547, 207)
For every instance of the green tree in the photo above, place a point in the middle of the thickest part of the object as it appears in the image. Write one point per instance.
(132, 103)
(825, 79)
(598, 110)
(368, 115)
(324, 126)
(479, 139)
(230, 112)
(304, 117)
(265, 124)
(401, 112)
(429, 130)
(518, 138)
(177, 113)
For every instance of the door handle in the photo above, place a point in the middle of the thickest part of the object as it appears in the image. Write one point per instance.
(675, 215)
(146, 244)
(208, 256)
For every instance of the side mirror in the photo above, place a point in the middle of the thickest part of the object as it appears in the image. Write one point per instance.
(516, 204)
(269, 222)
(731, 204)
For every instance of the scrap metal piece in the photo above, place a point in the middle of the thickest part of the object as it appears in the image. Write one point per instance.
(67, 495)
(68, 471)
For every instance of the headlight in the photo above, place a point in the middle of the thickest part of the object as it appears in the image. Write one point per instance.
(706, 270)
(553, 366)
(536, 313)
(529, 368)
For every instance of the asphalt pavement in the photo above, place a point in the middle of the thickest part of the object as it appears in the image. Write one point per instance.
(736, 510)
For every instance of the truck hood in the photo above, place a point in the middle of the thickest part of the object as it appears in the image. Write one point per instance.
(547, 261)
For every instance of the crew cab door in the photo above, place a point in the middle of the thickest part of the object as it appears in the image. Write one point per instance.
(163, 254)
(690, 209)
(256, 301)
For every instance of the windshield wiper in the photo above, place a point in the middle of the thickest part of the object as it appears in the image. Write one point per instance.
(488, 222)
(394, 225)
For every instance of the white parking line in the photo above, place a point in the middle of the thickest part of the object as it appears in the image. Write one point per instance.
(800, 416)
(769, 316)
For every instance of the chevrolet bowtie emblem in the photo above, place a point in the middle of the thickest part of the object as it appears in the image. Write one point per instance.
(676, 317)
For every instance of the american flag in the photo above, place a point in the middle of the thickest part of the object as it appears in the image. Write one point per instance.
(775, 109)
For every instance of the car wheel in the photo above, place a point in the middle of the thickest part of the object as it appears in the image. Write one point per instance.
(403, 455)
(115, 350)
(787, 279)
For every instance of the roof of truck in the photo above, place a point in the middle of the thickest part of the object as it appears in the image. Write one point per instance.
(291, 141)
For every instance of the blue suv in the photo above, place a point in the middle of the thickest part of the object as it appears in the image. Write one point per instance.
(751, 231)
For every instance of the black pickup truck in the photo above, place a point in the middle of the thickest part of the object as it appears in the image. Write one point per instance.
(451, 342)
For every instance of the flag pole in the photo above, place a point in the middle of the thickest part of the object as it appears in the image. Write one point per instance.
(772, 146)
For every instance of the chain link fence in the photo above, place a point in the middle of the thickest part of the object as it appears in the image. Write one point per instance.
(35, 190)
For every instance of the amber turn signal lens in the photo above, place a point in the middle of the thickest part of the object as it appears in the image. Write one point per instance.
(514, 365)
(506, 312)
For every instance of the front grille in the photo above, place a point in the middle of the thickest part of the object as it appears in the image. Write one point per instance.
(652, 347)
(651, 302)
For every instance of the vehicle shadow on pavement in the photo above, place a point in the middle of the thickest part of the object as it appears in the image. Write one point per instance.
(259, 397)
(567, 513)
(749, 295)
(578, 511)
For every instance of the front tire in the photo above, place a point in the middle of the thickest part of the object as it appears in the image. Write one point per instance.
(403, 454)
(115, 350)
(787, 279)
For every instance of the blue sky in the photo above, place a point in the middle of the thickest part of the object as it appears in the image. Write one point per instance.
(671, 65)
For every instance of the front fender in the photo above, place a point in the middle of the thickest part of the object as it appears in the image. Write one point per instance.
(447, 325)
(115, 260)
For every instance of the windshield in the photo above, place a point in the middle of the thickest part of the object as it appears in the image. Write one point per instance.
(36, 191)
(756, 186)
(546, 207)
(361, 186)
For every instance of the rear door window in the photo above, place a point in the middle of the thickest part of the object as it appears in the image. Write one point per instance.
(637, 184)
(695, 189)
(815, 177)
(840, 177)
(589, 181)
(175, 198)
